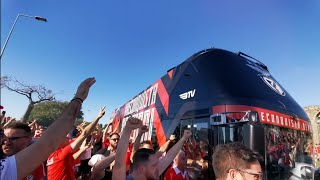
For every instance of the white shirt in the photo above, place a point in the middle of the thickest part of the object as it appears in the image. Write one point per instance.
(8, 168)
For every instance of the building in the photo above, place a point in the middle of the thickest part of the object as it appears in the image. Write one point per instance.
(314, 115)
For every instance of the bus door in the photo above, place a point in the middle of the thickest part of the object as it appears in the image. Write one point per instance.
(229, 127)
(241, 127)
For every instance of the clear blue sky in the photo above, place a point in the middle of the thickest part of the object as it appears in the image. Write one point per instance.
(127, 45)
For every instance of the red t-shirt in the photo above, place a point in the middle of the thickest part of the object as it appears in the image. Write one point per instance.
(172, 175)
(129, 151)
(61, 164)
(37, 174)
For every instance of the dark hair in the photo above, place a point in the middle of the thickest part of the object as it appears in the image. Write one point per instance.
(141, 156)
(73, 133)
(114, 133)
(19, 125)
(232, 156)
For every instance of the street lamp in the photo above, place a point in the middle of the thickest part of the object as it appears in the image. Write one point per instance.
(25, 15)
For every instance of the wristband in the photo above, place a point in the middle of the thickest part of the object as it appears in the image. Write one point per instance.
(78, 100)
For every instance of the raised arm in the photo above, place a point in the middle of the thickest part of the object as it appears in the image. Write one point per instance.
(9, 121)
(119, 168)
(165, 146)
(87, 130)
(33, 123)
(29, 158)
(98, 169)
(82, 149)
(136, 143)
(168, 158)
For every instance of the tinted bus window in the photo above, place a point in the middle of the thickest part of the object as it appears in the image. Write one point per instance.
(286, 149)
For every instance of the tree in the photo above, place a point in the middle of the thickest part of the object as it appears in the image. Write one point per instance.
(47, 112)
(35, 94)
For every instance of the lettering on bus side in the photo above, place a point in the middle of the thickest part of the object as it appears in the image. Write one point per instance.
(142, 107)
(147, 117)
(283, 120)
(142, 101)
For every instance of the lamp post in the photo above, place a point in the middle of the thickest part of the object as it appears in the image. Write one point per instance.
(25, 15)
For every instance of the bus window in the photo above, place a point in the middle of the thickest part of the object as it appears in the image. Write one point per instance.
(286, 150)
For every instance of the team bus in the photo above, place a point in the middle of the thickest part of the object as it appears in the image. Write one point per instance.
(223, 97)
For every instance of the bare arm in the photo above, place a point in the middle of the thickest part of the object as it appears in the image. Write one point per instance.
(98, 169)
(82, 149)
(166, 160)
(29, 158)
(165, 146)
(33, 123)
(6, 124)
(136, 143)
(87, 130)
(119, 168)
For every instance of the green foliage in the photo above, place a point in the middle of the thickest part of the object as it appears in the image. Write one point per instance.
(47, 112)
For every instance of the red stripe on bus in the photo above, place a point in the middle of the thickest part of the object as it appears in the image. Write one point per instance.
(268, 116)
(159, 129)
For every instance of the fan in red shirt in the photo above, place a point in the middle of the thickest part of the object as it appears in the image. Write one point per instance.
(61, 162)
(177, 171)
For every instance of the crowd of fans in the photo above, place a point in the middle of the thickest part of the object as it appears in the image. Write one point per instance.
(87, 151)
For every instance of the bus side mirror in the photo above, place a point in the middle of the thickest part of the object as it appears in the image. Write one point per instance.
(217, 119)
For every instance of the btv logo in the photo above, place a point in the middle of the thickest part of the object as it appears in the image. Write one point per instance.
(188, 94)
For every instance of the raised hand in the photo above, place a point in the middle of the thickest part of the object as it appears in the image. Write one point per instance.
(87, 146)
(172, 137)
(102, 112)
(84, 87)
(143, 129)
(133, 123)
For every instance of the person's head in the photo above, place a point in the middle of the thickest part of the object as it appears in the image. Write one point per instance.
(146, 145)
(74, 133)
(145, 164)
(17, 137)
(180, 161)
(114, 139)
(66, 142)
(236, 161)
